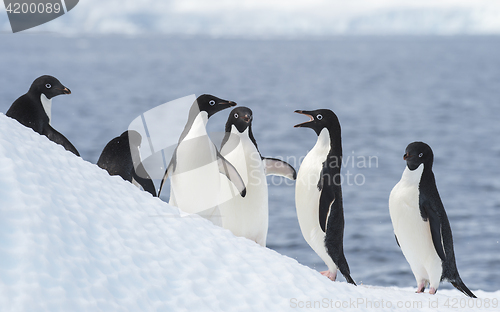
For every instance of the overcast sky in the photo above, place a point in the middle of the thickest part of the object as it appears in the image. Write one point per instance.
(257, 18)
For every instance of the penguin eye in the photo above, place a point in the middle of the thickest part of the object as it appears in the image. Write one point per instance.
(236, 115)
(420, 155)
(212, 102)
(319, 117)
(48, 86)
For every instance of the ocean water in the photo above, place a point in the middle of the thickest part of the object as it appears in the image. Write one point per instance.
(386, 91)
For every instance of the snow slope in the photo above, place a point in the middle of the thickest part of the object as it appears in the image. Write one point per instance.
(73, 238)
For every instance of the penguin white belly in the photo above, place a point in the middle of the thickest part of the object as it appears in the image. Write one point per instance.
(47, 106)
(414, 234)
(195, 180)
(307, 198)
(246, 216)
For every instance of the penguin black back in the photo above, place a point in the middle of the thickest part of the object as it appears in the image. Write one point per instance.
(116, 158)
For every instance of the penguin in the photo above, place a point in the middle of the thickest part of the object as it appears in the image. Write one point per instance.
(117, 159)
(196, 164)
(420, 223)
(318, 193)
(248, 216)
(33, 109)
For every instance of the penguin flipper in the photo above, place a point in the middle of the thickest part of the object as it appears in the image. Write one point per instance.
(397, 242)
(56, 137)
(428, 210)
(334, 236)
(331, 195)
(278, 167)
(232, 174)
(326, 200)
(142, 177)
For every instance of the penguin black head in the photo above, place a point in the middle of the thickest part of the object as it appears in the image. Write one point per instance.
(418, 153)
(320, 119)
(241, 117)
(212, 104)
(49, 86)
(134, 138)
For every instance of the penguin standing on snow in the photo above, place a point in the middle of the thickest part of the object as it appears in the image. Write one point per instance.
(248, 216)
(116, 158)
(318, 193)
(33, 109)
(420, 223)
(196, 164)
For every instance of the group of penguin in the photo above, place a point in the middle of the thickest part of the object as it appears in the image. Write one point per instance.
(228, 186)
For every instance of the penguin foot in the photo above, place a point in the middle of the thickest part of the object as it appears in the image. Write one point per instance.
(432, 291)
(330, 275)
(420, 288)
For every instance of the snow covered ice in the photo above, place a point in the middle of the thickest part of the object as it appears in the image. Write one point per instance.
(73, 238)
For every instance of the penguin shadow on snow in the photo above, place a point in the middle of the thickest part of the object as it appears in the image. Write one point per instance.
(33, 109)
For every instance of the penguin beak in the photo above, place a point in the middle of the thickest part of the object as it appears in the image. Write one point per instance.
(66, 91)
(304, 124)
(247, 118)
(225, 104)
(406, 156)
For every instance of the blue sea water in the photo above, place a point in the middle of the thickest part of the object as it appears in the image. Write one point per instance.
(386, 91)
